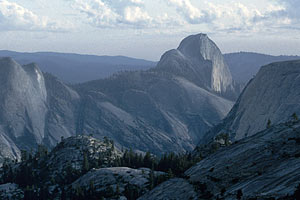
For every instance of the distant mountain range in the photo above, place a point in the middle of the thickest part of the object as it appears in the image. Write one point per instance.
(244, 65)
(167, 108)
(76, 68)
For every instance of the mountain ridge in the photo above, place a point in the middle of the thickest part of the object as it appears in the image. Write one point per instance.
(154, 110)
(83, 67)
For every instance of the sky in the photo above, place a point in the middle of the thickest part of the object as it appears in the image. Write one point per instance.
(147, 28)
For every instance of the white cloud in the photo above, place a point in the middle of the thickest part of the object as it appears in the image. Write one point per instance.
(15, 17)
(191, 13)
(289, 12)
(106, 13)
(184, 14)
(237, 17)
(122, 13)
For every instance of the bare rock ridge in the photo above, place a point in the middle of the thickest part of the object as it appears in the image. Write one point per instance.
(84, 67)
(167, 108)
(272, 95)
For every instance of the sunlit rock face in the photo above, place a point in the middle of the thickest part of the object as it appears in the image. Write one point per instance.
(23, 104)
(26, 117)
(198, 59)
(273, 94)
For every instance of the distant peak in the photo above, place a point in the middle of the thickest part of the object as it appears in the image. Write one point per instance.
(199, 59)
(198, 46)
(200, 36)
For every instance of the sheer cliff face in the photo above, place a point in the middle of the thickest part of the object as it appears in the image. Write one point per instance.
(26, 117)
(23, 98)
(23, 103)
(199, 59)
(272, 95)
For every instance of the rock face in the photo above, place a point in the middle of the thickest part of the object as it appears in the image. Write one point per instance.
(70, 151)
(64, 165)
(263, 162)
(176, 188)
(272, 95)
(23, 106)
(167, 108)
(123, 178)
(265, 165)
(198, 59)
(10, 191)
(62, 115)
(150, 111)
(34, 109)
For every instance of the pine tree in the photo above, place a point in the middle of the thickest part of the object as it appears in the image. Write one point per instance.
(269, 123)
(297, 192)
(148, 162)
(63, 195)
(151, 179)
(239, 194)
(295, 117)
(24, 156)
(106, 140)
(85, 166)
(170, 173)
(112, 145)
(118, 191)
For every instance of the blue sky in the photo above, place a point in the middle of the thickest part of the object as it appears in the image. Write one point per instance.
(147, 28)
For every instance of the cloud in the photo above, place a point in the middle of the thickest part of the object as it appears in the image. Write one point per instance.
(227, 17)
(289, 10)
(14, 17)
(219, 16)
(237, 17)
(122, 14)
(190, 13)
(106, 13)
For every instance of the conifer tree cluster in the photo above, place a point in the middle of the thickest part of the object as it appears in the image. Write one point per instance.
(33, 175)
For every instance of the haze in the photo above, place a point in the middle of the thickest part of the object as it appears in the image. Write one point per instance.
(146, 29)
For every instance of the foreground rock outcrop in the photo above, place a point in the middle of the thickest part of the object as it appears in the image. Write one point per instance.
(121, 181)
(265, 165)
(79, 167)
